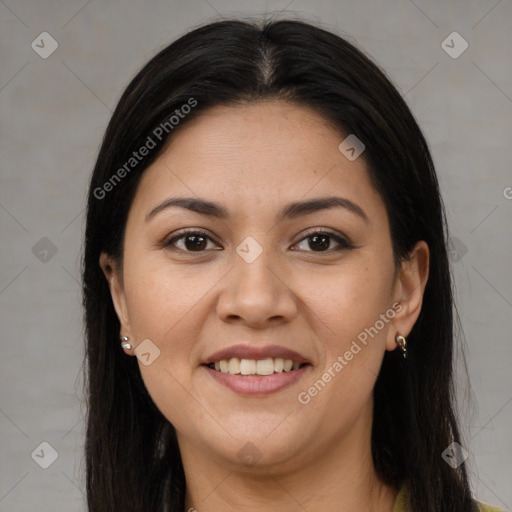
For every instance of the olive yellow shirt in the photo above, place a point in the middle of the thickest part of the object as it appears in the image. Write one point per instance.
(400, 503)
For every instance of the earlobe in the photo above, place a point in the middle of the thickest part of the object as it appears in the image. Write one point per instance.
(115, 282)
(412, 280)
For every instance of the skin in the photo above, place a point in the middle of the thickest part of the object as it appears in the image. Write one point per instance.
(253, 160)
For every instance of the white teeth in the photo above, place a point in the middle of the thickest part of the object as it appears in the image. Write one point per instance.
(267, 366)
(247, 367)
(234, 366)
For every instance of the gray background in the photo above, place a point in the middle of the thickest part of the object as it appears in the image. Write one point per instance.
(54, 112)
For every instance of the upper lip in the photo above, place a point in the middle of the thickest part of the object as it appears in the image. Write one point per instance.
(257, 353)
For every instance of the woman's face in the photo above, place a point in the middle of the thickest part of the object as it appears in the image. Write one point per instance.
(258, 282)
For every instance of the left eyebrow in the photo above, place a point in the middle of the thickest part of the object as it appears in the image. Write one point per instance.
(290, 211)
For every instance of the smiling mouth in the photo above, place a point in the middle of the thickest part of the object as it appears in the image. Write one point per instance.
(254, 367)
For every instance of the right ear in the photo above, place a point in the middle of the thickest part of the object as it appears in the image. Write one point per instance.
(114, 278)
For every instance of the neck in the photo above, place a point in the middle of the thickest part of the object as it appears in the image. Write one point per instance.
(340, 478)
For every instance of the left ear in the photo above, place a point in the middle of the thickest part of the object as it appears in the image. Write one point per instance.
(409, 288)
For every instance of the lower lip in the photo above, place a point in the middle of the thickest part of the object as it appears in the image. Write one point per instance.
(258, 385)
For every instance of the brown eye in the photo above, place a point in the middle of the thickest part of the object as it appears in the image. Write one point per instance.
(192, 241)
(320, 241)
(195, 242)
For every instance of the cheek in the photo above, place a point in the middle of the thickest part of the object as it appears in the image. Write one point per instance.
(351, 317)
(164, 306)
(172, 394)
(351, 301)
(162, 296)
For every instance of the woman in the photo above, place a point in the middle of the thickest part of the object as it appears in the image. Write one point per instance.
(267, 292)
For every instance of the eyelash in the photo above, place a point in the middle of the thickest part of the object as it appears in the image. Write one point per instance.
(344, 244)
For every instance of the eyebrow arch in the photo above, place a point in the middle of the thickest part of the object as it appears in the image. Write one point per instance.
(290, 211)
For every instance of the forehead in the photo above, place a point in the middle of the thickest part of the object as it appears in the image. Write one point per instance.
(282, 131)
(257, 154)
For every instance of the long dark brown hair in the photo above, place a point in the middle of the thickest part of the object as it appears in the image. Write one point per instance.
(132, 457)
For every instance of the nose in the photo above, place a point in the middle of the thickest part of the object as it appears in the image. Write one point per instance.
(257, 294)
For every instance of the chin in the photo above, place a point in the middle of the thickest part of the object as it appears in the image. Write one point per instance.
(259, 449)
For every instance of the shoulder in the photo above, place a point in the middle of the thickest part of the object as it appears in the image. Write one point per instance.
(401, 500)
(482, 507)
